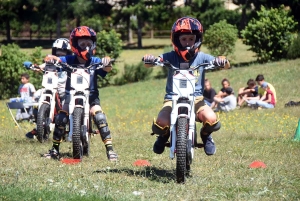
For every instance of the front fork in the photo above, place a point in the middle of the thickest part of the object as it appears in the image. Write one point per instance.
(191, 128)
(86, 123)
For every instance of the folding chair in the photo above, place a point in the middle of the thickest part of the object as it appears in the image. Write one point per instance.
(17, 105)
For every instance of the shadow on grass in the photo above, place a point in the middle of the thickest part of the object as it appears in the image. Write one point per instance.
(151, 173)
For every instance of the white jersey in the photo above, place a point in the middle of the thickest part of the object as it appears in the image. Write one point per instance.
(26, 92)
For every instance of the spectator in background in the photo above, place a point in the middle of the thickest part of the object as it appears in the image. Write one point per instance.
(209, 93)
(261, 92)
(268, 100)
(228, 102)
(26, 91)
(247, 93)
(221, 94)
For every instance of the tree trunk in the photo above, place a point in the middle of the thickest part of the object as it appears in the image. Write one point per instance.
(129, 31)
(78, 22)
(58, 25)
(139, 32)
(8, 37)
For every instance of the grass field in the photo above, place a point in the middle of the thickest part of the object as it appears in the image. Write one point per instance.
(246, 135)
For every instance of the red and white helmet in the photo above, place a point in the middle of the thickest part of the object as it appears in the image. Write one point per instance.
(186, 25)
(61, 44)
(83, 32)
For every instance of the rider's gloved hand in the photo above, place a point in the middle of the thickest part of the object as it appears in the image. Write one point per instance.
(148, 59)
(106, 61)
(51, 59)
(27, 64)
(220, 61)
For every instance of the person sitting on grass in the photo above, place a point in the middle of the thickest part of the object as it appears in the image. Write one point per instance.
(209, 93)
(227, 103)
(267, 101)
(221, 94)
(26, 91)
(247, 93)
(261, 92)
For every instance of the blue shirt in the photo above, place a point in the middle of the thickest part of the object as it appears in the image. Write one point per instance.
(72, 59)
(175, 60)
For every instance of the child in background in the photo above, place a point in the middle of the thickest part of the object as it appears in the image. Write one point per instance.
(267, 101)
(26, 91)
(247, 93)
(228, 102)
(209, 93)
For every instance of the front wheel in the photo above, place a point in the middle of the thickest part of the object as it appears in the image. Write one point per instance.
(76, 137)
(43, 130)
(182, 125)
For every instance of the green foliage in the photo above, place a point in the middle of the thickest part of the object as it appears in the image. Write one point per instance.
(104, 82)
(134, 73)
(11, 60)
(108, 44)
(220, 38)
(270, 35)
(294, 50)
(212, 11)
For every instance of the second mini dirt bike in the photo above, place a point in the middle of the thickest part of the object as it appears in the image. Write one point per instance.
(182, 129)
(49, 102)
(80, 121)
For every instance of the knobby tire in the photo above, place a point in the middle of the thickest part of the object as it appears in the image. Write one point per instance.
(181, 149)
(76, 137)
(43, 114)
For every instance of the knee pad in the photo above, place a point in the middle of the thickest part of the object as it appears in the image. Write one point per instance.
(209, 128)
(61, 119)
(101, 122)
(162, 131)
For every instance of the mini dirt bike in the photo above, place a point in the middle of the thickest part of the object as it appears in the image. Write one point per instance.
(49, 102)
(182, 129)
(80, 121)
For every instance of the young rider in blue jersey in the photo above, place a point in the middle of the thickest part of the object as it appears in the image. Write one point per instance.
(83, 44)
(186, 37)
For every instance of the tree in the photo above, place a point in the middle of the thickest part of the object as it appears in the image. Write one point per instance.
(270, 34)
(9, 12)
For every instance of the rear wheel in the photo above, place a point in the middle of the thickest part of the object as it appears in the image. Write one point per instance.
(181, 162)
(43, 130)
(76, 137)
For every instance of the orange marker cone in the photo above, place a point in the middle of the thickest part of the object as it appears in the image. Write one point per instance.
(257, 164)
(141, 163)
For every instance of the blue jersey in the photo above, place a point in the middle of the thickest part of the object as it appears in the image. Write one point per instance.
(72, 59)
(175, 60)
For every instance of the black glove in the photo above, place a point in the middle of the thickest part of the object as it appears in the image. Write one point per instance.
(219, 61)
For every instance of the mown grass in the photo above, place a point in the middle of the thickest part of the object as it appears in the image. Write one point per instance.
(246, 135)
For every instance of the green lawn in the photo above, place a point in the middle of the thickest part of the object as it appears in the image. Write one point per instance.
(246, 135)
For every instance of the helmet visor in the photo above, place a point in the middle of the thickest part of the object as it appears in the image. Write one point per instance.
(83, 43)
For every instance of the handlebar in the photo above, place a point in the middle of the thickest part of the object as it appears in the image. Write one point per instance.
(158, 62)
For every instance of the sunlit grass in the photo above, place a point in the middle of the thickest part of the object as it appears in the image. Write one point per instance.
(246, 135)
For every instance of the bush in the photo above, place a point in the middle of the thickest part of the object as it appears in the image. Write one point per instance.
(11, 67)
(294, 50)
(134, 73)
(108, 44)
(270, 35)
(220, 38)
